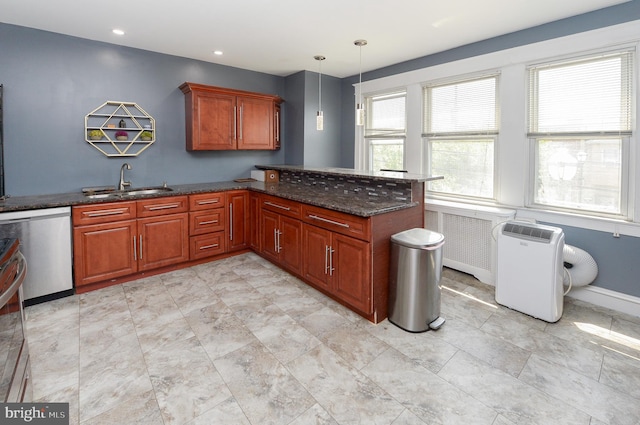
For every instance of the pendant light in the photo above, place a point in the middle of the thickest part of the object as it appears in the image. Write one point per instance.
(319, 117)
(359, 105)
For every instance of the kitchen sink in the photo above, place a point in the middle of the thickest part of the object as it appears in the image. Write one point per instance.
(120, 194)
(146, 191)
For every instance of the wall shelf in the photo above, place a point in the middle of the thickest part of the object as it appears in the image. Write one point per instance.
(106, 120)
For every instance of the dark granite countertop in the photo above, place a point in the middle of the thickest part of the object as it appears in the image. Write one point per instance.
(328, 199)
(349, 172)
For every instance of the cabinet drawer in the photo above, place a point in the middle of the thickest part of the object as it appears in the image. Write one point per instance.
(206, 201)
(162, 206)
(206, 221)
(281, 206)
(202, 246)
(103, 213)
(347, 224)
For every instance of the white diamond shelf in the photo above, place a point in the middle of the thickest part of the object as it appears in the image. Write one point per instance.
(107, 119)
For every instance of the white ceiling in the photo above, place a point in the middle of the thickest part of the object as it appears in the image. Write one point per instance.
(280, 37)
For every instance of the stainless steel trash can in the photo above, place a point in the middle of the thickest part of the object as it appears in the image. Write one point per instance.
(414, 280)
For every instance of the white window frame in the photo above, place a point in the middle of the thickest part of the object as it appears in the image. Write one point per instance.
(373, 136)
(428, 136)
(626, 137)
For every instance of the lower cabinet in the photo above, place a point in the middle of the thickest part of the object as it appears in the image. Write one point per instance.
(281, 240)
(104, 251)
(111, 242)
(239, 216)
(340, 265)
(162, 241)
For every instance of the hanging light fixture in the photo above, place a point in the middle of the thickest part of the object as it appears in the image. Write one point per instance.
(359, 105)
(319, 117)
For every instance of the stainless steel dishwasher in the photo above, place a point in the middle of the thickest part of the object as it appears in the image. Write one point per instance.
(45, 241)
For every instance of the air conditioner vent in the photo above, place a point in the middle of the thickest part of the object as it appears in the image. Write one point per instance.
(523, 231)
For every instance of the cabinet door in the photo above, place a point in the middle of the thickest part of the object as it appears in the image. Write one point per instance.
(104, 251)
(213, 122)
(238, 231)
(352, 272)
(163, 241)
(316, 246)
(254, 213)
(255, 123)
(290, 242)
(269, 236)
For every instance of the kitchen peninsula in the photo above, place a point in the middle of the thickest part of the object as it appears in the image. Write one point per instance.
(330, 227)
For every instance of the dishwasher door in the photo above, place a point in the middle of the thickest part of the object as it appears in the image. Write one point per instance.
(45, 241)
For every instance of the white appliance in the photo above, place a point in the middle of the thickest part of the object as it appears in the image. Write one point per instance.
(529, 269)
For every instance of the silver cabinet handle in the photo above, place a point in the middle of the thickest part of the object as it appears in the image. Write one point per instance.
(282, 207)
(135, 250)
(331, 269)
(215, 245)
(207, 222)
(278, 233)
(164, 207)
(326, 220)
(140, 247)
(235, 122)
(277, 126)
(107, 212)
(275, 240)
(208, 201)
(326, 258)
(230, 222)
(241, 113)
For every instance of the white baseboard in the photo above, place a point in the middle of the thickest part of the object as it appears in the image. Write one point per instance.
(607, 298)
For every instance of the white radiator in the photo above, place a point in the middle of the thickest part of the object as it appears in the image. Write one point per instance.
(529, 269)
(469, 244)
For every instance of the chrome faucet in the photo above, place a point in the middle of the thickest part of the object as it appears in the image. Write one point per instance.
(123, 183)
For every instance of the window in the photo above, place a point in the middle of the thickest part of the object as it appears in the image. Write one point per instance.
(385, 131)
(579, 126)
(460, 129)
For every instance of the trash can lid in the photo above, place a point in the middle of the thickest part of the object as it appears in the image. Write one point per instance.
(418, 238)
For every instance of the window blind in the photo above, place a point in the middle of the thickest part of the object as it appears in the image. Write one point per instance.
(584, 96)
(386, 117)
(461, 108)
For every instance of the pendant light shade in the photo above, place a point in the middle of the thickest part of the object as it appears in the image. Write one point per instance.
(320, 116)
(359, 104)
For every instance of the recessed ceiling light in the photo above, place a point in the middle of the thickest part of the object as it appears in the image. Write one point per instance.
(217, 52)
(118, 32)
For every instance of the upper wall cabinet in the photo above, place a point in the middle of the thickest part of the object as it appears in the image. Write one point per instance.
(224, 119)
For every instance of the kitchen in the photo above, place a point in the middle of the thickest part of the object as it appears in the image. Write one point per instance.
(88, 73)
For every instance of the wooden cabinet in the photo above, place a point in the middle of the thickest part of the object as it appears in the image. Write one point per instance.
(281, 232)
(121, 238)
(103, 237)
(224, 119)
(206, 225)
(239, 216)
(162, 241)
(337, 264)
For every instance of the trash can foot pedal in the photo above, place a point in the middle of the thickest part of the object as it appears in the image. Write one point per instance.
(435, 325)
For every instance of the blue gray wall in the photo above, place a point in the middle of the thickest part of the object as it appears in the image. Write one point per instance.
(312, 147)
(52, 81)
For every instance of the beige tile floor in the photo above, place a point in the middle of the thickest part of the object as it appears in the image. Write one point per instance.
(239, 341)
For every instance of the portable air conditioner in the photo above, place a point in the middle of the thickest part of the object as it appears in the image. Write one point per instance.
(529, 269)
